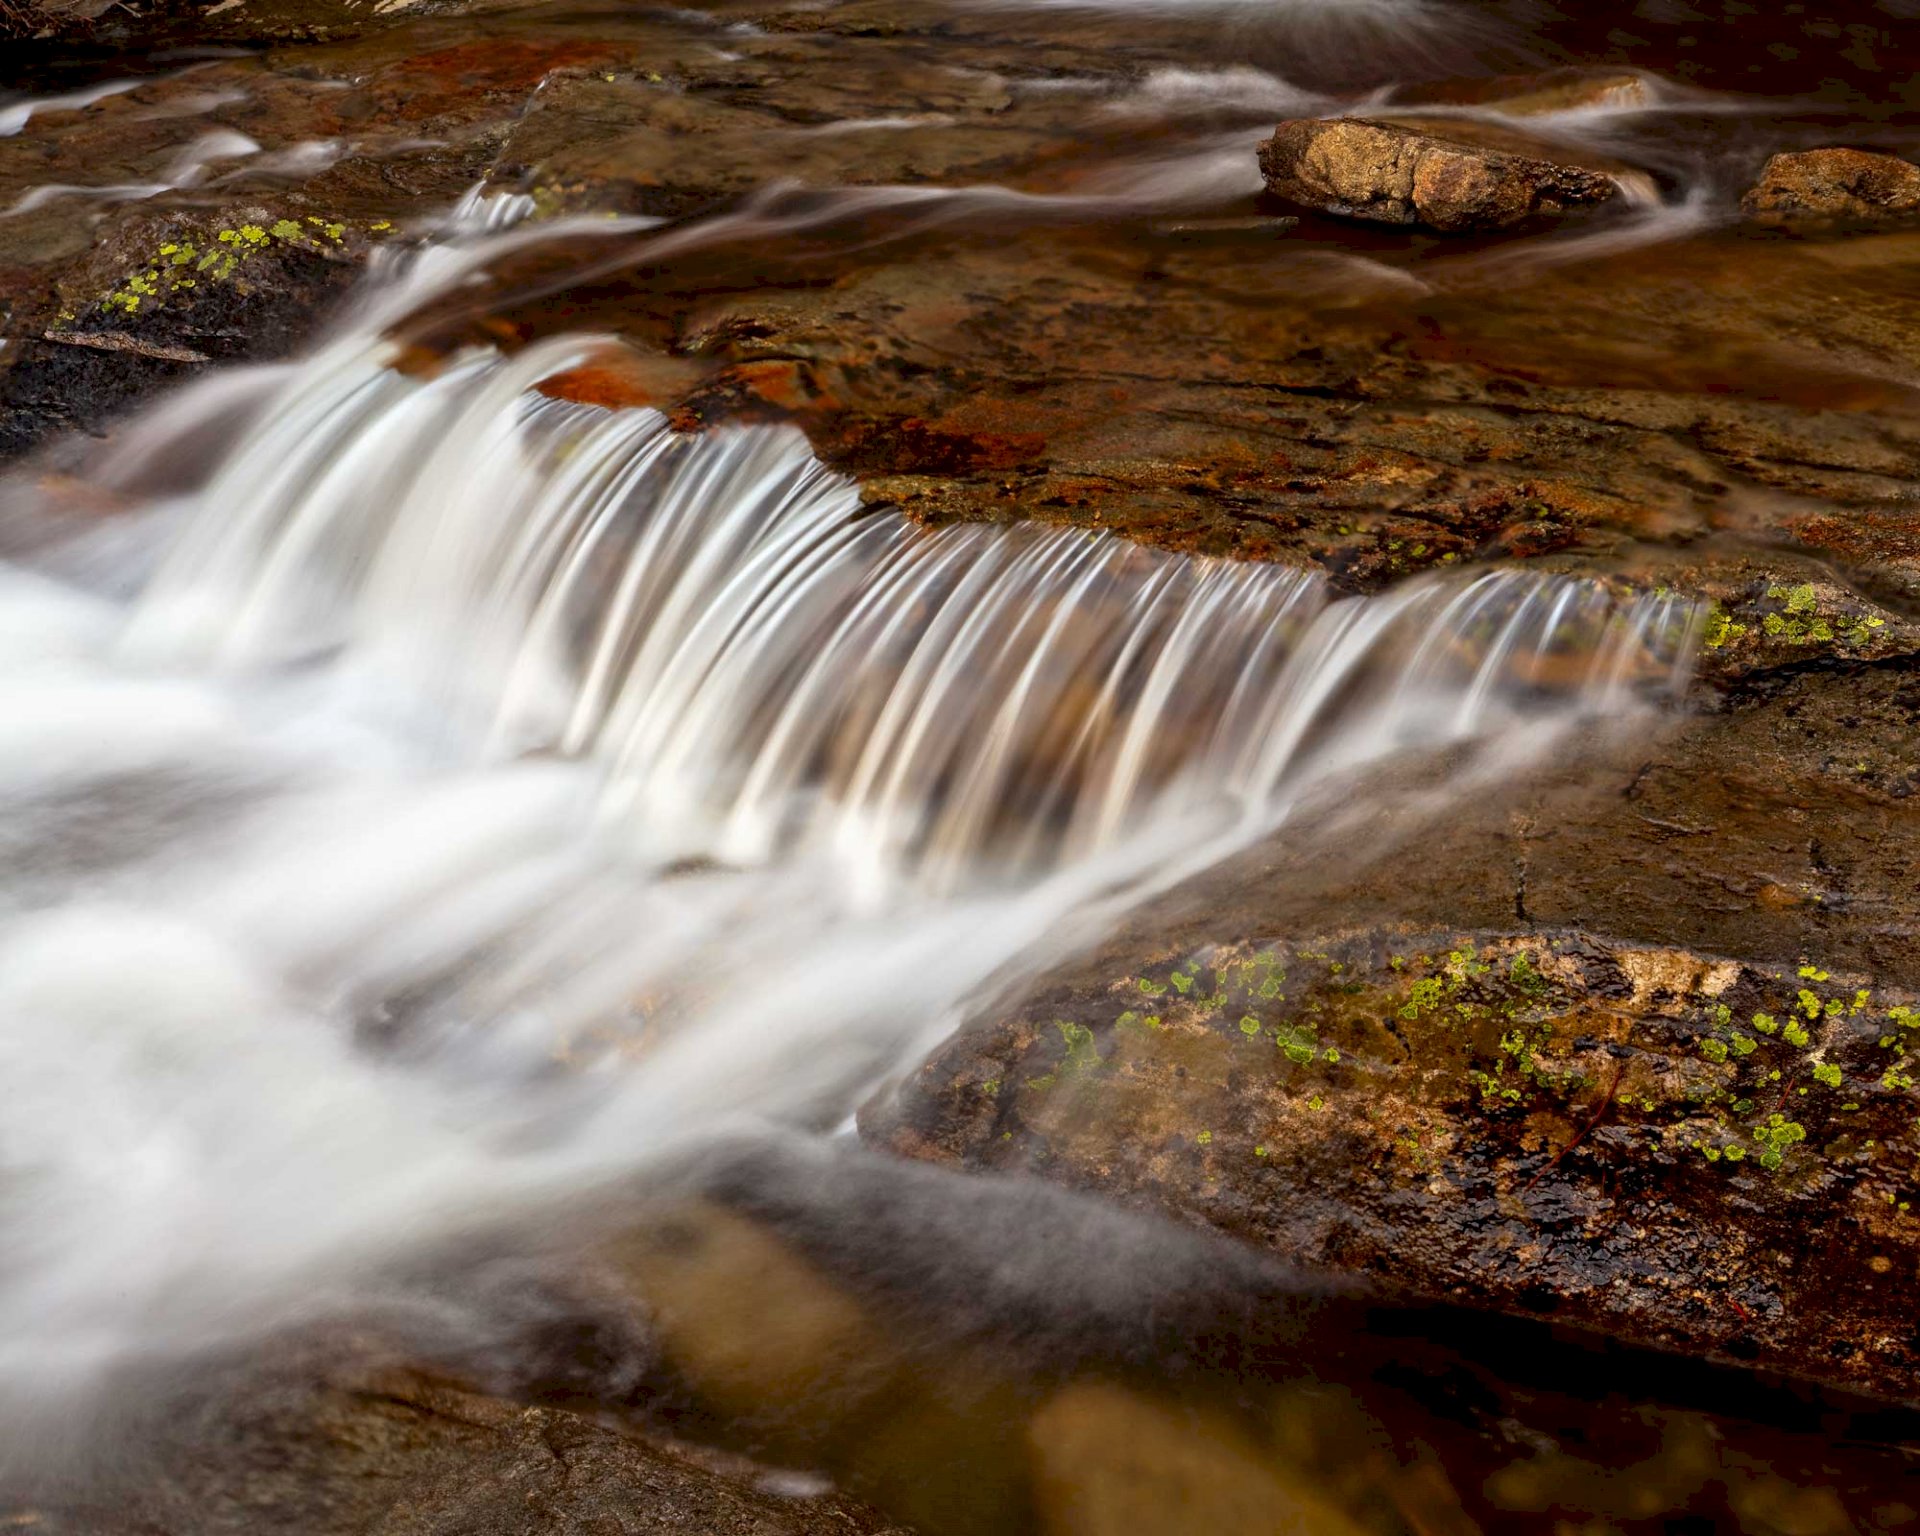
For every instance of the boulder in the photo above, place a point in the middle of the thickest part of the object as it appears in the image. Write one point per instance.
(1391, 173)
(1835, 186)
(1507, 1078)
(1680, 1149)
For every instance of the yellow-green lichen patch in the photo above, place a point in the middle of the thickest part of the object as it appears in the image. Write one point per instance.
(1794, 1052)
(179, 266)
(1792, 615)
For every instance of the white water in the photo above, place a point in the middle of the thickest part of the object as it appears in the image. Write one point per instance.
(460, 795)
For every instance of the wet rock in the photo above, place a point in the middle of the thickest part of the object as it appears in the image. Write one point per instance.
(1835, 187)
(1536, 1102)
(1393, 174)
(1677, 1148)
(165, 298)
(1567, 90)
(999, 1354)
(337, 1438)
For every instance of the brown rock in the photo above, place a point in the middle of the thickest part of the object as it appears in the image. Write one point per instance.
(1392, 174)
(1835, 186)
(333, 1436)
(1667, 1146)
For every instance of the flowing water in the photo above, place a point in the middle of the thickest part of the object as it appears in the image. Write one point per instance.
(429, 795)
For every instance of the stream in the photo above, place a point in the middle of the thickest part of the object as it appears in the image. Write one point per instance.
(493, 790)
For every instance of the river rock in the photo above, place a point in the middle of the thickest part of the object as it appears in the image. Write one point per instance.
(168, 297)
(1394, 174)
(1562, 90)
(1628, 1137)
(1835, 186)
(335, 1435)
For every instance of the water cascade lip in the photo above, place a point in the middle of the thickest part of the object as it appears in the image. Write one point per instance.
(751, 660)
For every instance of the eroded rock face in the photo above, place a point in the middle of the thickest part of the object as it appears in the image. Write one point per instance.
(1836, 186)
(1392, 174)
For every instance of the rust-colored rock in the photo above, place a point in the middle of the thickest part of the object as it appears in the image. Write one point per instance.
(1392, 174)
(1835, 186)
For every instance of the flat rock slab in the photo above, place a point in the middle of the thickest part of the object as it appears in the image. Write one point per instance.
(1393, 174)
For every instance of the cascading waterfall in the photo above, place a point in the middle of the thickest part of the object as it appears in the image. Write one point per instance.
(753, 661)
(482, 790)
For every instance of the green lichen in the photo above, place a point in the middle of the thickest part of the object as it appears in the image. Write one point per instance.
(177, 266)
(1081, 1053)
(1721, 630)
(1423, 997)
(1774, 1136)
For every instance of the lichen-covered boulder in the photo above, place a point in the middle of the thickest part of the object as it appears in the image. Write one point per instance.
(167, 297)
(1391, 173)
(1677, 1149)
(1835, 186)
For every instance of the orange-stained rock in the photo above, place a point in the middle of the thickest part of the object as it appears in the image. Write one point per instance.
(1390, 173)
(1835, 186)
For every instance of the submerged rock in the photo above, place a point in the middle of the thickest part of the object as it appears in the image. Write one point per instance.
(1394, 174)
(1565, 90)
(1835, 186)
(983, 1354)
(335, 1437)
